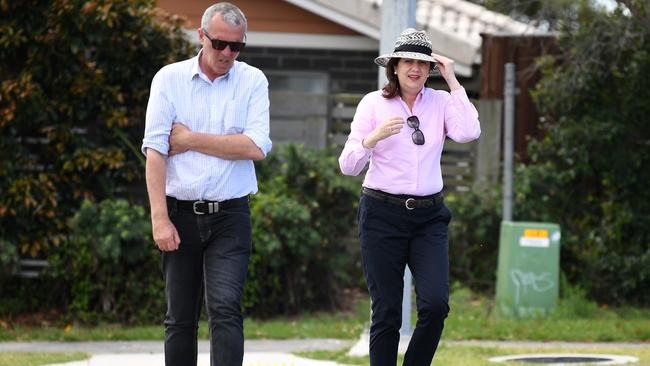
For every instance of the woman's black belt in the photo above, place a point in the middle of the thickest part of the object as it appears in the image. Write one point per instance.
(408, 202)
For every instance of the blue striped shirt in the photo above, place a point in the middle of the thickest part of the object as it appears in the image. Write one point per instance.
(235, 103)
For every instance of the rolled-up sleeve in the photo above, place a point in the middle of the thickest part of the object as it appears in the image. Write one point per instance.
(461, 117)
(159, 117)
(257, 126)
(355, 156)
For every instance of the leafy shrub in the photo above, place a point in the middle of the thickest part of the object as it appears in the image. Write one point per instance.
(74, 85)
(109, 267)
(474, 238)
(303, 218)
(8, 259)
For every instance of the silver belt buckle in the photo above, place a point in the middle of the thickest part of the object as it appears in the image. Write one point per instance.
(406, 203)
(194, 208)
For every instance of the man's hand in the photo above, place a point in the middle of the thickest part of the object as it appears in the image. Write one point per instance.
(165, 235)
(179, 139)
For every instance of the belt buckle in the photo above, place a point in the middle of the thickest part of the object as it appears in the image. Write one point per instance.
(196, 212)
(406, 203)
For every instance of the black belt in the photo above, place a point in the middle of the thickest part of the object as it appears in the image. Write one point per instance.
(201, 207)
(408, 202)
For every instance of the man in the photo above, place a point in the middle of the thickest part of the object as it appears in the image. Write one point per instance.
(207, 120)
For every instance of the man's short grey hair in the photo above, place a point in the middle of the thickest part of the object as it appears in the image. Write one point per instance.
(229, 14)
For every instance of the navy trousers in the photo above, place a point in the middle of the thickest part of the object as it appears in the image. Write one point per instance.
(211, 262)
(392, 237)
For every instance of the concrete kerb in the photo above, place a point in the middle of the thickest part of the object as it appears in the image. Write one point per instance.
(149, 347)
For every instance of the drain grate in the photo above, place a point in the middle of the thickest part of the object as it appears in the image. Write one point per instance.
(567, 359)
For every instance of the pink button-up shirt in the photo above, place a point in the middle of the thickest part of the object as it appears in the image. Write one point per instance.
(397, 165)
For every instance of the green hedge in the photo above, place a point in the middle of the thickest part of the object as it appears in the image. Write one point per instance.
(74, 85)
(304, 221)
(474, 238)
(109, 268)
(304, 253)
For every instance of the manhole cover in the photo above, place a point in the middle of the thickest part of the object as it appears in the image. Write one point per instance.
(567, 359)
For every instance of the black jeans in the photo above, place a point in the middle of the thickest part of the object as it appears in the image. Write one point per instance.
(391, 237)
(212, 259)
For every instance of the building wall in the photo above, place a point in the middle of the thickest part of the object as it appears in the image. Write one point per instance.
(299, 112)
(262, 16)
(348, 71)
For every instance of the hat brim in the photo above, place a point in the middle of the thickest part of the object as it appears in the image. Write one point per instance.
(383, 59)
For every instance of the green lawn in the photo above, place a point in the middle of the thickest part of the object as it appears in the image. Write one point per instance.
(447, 355)
(347, 325)
(576, 319)
(35, 359)
(460, 355)
(471, 317)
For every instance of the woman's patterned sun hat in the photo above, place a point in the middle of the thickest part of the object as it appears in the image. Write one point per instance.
(413, 44)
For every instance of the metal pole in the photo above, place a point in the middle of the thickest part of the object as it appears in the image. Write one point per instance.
(397, 15)
(509, 93)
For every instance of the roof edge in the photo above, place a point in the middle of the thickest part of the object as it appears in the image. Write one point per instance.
(333, 11)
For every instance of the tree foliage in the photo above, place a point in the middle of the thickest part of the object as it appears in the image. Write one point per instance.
(591, 171)
(74, 86)
(543, 14)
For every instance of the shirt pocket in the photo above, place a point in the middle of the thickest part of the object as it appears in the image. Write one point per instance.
(234, 118)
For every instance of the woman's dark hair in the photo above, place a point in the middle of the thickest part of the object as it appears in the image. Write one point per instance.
(391, 89)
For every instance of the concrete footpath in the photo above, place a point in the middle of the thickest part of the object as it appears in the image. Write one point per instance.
(257, 352)
(150, 353)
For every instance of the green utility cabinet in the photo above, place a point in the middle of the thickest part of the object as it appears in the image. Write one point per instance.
(529, 268)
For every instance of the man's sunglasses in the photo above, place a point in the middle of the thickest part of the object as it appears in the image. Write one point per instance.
(417, 136)
(220, 45)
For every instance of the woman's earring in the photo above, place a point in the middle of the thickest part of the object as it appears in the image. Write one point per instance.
(395, 72)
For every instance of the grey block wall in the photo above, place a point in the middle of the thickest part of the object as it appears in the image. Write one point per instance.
(349, 71)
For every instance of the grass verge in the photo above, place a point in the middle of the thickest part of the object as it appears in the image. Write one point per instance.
(35, 359)
(471, 317)
(462, 355)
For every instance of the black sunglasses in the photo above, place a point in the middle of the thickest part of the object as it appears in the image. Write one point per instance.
(220, 45)
(417, 136)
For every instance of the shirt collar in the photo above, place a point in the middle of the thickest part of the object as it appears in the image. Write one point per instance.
(420, 94)
(196, 71)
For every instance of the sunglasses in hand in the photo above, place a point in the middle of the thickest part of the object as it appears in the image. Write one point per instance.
(221, 45)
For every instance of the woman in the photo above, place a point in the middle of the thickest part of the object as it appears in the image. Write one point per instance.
(403, 221)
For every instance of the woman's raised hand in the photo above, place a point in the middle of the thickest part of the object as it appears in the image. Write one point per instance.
(446, 68)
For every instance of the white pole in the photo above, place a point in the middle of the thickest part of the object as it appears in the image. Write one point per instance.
(397, 15)
(509, 93)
